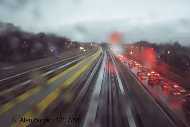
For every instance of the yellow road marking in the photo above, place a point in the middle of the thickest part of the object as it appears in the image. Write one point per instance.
(9, 105)
(69, 69)
(54, 95)
(76, 75)
(48, 100)
(26, 95)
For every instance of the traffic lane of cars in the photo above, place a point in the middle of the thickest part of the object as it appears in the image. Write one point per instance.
(170, 93)
(154, 79)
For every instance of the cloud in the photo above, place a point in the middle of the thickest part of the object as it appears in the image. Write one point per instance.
(158, 20)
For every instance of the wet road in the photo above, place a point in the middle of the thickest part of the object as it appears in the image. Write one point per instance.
(170, 97)
(94, 89)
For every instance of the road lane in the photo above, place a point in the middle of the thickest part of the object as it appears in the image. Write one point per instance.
(67, 78)
(91, 113)
(97, 91)
(18, 85)
(171, 104)
(148, 109)
(128, 109)
(75, 106)
(109, 106)
(23, 79)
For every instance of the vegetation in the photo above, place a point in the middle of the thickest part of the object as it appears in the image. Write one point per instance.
(17, 45)
(173, 54)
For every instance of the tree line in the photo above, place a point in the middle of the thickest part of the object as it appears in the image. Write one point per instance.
(17, 45)
(172, 53)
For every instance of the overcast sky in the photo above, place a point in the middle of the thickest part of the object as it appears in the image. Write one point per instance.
(155, 20)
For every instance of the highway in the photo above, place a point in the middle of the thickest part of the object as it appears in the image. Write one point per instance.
(92, 89)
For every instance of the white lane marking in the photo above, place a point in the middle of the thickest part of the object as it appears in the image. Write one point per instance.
(15, 87)
(118, 78)
(60, 67)
(129, 113)
(120, 83)
(28, 81)
(92, 109)
(13, 76)
(130, 116)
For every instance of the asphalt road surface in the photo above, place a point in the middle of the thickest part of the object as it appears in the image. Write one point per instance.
(92, 89)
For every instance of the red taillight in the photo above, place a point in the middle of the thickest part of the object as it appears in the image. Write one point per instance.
(177, 93)
(175, 86)
(182, 91)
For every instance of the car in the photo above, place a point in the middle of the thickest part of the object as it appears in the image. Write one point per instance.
(145, 70)
(166, 88)
(153, 78)
(121, 58)
(131, 64)
(140, 68)
(137, 65)
(153, 82)
(172, 88)
(142, 75)
(177, 90)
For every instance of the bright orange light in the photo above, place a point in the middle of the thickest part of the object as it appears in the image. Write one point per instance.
(115, 37)
(148, 56)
